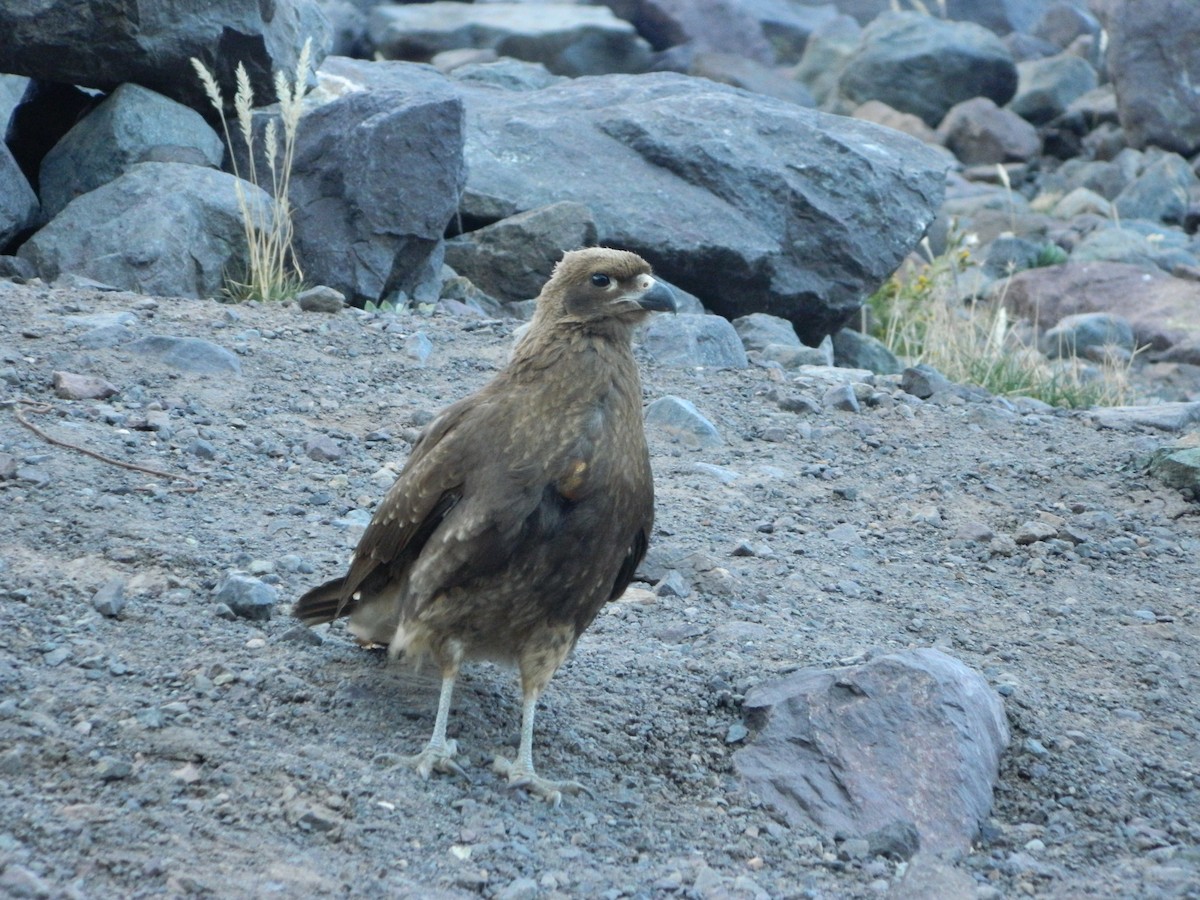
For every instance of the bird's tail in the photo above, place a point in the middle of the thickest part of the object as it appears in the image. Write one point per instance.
(324, 603)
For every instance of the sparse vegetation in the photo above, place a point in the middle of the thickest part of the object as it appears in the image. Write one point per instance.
(272, 270)
(921, 315)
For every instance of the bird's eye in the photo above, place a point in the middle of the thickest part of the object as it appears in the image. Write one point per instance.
(600, 280)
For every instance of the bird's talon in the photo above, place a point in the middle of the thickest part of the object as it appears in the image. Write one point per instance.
(532, 783)
(436, 759)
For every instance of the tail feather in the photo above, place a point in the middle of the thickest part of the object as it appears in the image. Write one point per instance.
(324, 603)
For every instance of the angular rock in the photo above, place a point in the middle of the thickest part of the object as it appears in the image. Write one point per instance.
(130, 125)
(376, 179)
(1178, 465)
(1154, 63)
(757, 330)
(1161, 309)
(977, 131)
(1077, 335)
(513, 258)
(726, 26)
(19, 209)
(71, 386)
(1047, 87)
(1160, 193)
(160, 228)
(914, 736)
(247, 596)
(568, 39)
(1139, 243)
(855, 350)
(110, 599)
(924, 65)
(1163, 416)
(193, 355)
(1063, 21)
(679, 418)
(689, 341)
(924, 381)
(151, 45)
(728, 221)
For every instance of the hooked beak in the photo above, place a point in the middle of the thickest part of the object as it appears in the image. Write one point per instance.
(658, 298)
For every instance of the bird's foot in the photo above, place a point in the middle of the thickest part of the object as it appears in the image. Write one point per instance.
(543, 788)
(436, 758)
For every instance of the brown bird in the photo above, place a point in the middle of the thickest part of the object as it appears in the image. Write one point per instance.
(522, 509)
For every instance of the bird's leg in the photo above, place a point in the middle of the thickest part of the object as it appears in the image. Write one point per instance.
(521, 773)
(438, 754)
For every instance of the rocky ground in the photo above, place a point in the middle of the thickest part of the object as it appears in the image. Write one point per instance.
(176, 749)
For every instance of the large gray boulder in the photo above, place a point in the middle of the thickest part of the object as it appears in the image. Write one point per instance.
(912, 737)
(160, 228)
(568, 39)
(18, 202)
(131, 124)
(376, 178)
(1047, 87)
(106, 43)
(923, 65)
(793, 212)
(1154, 63)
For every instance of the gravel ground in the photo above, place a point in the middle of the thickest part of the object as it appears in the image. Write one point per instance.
(178, 750)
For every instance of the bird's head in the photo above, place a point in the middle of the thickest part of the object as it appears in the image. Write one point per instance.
(598, 285)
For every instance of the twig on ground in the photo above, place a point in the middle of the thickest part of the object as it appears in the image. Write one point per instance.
(43, 408)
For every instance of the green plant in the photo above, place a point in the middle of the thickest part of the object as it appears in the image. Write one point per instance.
(920, 314)
(272, 272)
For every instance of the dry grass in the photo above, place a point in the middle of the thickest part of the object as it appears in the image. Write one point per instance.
(272, 270)
(921, 315)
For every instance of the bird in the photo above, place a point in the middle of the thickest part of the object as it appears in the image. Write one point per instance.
(521, 510)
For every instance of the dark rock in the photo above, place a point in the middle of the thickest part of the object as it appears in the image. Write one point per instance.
(727, 221)
(912, 736)
(44, 113)
(15, 267)
(924, 65)
(1047, 87)
(855, 350)
(160, 228)
(726, 26)
(679, 418)
(1154, 63)
(193, 355)
(19, 210)
(924, 381)
(514, 257)
(70, 386)
(567, 39)
(978, 131)
(1077, 335)
(117, 42)
(1178, 464)
(110, 599)
(247, 597)
(376, 179)
(694, 340)
(840, 396)
(129, 126)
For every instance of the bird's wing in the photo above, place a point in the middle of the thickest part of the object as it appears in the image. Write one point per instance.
(428, 488)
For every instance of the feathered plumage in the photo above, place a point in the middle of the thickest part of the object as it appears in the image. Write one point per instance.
(522, 509)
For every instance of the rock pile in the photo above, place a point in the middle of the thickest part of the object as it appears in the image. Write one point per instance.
(1056, 130)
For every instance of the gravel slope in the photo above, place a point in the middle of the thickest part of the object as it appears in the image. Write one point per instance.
(175, 752)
